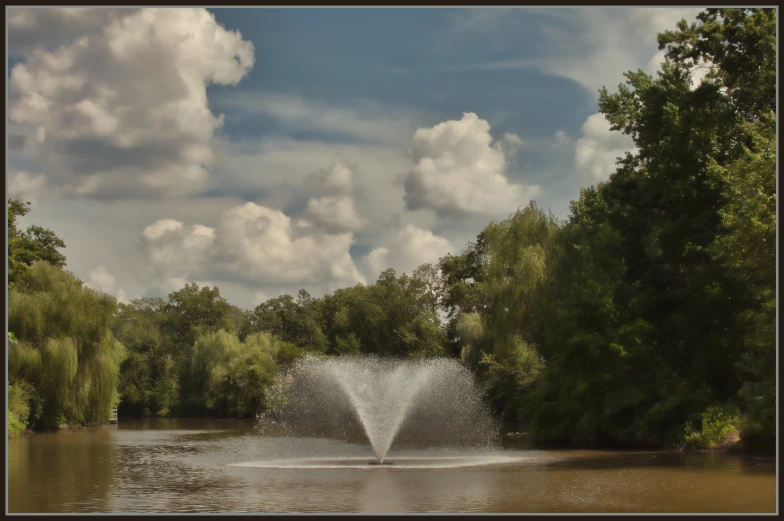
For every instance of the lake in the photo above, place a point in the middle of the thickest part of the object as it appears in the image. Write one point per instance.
(163, 465)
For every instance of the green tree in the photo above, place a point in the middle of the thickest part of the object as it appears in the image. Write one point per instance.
(65, 351)
(188, 314)
(29, 246)
(504, 342)
(232, 376)
(654, 284)
(147, 383)
(463, 277)
(293, 321)
(392, 317)
(431, 281)
(747, 249)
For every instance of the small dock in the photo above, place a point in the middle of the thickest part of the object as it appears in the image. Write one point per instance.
(113, 417)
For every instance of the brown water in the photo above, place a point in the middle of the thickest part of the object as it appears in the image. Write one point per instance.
(191, 466)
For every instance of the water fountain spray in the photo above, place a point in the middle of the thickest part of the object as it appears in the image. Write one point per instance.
(431, 402)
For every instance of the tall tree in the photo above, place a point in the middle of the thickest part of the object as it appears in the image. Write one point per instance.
(665, 300)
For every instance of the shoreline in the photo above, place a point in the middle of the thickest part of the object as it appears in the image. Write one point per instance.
(734, 448)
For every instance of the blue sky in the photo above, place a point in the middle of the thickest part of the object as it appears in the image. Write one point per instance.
(265, 150)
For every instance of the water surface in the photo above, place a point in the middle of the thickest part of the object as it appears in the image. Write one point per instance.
(224, 466)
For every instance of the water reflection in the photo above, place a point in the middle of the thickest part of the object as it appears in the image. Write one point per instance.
(64, 471)
(185, 466)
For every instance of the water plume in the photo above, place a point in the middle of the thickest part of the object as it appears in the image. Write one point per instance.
(430, 402)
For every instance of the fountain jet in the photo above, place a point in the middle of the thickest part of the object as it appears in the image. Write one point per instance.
(431, 402)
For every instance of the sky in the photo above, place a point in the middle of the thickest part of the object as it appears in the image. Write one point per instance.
(264, 150)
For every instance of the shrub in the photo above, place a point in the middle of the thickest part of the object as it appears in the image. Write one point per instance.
(719, 424)
(19, 394)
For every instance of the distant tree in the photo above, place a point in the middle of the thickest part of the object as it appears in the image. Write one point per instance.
(293, 321)
(231, 377)
(432, 283)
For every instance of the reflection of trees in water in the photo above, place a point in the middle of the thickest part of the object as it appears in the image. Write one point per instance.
(66, 471)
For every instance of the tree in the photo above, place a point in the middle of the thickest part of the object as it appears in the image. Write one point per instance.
(742, 44)
(392, 317)
(33, 245)
(65, 352)
(654, 286)
(463, 276)
(503, 343)
(230, 376)
(147, 383)
(193, 311)
(432, 285)
(747, 248)
(292, 321)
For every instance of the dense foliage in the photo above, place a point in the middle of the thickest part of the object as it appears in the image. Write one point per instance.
(668, 311)
(64, 363)
(648, 317)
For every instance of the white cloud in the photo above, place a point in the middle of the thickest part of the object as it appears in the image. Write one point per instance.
(121, 110)
(252, 245)
(280, 167)
(408, 249)
(596, 152)
(30, 27)
(591, 46)
(26, 185)
(336, 211)
(459, 170)
(102, 280)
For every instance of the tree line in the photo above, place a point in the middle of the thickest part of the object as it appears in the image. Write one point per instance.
(646, 318)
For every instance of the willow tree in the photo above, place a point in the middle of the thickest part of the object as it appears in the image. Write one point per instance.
(504, 340)
(64, 354)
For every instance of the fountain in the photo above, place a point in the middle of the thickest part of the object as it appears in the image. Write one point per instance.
(414, 403)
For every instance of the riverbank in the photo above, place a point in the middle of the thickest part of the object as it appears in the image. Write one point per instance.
(27, 431)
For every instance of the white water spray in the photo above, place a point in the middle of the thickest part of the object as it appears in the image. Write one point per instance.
(431, 402)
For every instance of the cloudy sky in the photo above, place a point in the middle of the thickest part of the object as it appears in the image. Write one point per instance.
(267, 150)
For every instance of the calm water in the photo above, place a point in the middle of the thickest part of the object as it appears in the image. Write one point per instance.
(223, 466)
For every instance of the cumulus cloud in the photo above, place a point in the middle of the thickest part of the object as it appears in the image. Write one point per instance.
(102, 280)
(121, 108)
(30, 27)
(253, 245)
(408, 249)
(597, 150)
(459, 170)
(336, 211)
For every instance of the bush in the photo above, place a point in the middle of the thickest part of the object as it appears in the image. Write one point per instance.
(719, 426)
(19, 394)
